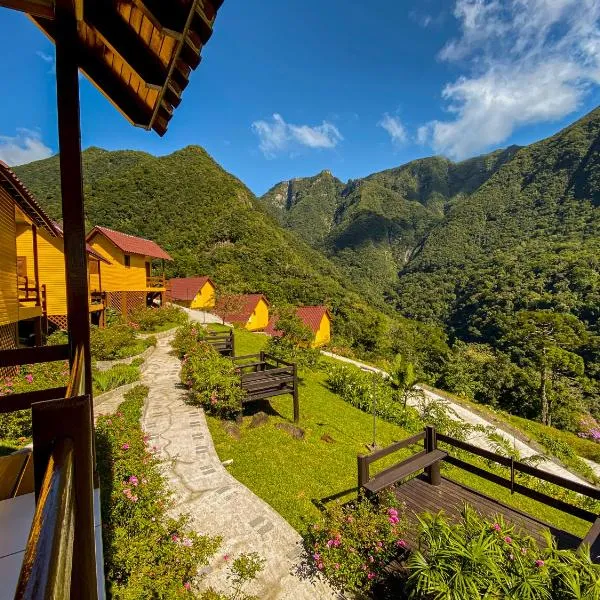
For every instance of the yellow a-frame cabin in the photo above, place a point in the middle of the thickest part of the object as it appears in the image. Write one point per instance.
(139, 54)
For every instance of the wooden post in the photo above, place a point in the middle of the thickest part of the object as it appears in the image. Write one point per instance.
(36, 267)
(433, 472)
(363, 471)
(83, 578)
(295, 396)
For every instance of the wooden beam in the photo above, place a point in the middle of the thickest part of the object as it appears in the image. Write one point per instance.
(104, 79)
(25, 400)
(35, 8)
(33, 356)
(123, 40)
(170, 17)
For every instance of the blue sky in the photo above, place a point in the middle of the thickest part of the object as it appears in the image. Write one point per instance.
(287, 89)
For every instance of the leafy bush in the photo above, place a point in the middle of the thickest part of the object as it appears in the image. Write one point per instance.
(157, 319)
(116, 376)
(478, 558)
(147, 553)
(360, 389)
(213, 381)
(187, 337)
(352, 544)
(294, 344)
(117, 341)
(243, 569)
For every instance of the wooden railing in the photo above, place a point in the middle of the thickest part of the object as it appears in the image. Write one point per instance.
(28, 291)
(47, 564)
(415, 463)
(63, 458)
(97, 298)
(156, 282)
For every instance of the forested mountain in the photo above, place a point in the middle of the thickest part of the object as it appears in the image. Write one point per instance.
(211, 223)
(484, 248)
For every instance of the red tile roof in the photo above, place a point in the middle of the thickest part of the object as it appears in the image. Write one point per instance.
(130, 244)
(311, 316)
(24, 198)
(244, 307)
(186, 288)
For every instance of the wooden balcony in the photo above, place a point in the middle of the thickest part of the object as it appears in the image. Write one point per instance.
(31, 298)
(156, 283)
(63, 498)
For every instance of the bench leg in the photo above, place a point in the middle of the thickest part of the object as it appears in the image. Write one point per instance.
(296, 406)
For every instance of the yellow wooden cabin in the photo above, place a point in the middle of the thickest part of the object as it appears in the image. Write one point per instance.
(193, 292)
(316, 318)
(22, 294)
(131, 280)
(248, 310)
(51, 268)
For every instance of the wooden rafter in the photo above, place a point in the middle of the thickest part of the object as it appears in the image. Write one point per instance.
(36, 8)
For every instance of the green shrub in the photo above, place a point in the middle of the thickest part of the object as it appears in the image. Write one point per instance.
(187, 337)
(353, 544)
(117, 341)
(116, 376)
(479, 558)
(213, 381)
(147, 553)
(360, 389)
(157, 319)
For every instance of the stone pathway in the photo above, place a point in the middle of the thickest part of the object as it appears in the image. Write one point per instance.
(468, 416)
(217, 503)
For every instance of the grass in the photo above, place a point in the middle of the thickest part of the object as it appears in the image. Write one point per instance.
(293, 476)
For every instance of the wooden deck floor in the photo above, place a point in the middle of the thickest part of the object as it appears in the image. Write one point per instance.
(419, 496)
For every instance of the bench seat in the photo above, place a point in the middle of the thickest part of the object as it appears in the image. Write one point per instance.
(394, 474)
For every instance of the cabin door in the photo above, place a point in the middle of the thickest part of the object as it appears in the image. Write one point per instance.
(147, 270)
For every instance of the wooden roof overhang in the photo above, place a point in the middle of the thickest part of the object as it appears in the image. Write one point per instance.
(138, 53)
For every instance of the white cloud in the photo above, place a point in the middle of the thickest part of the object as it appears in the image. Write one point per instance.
(25, 147)
(49, 59)
(277, 136)
(394, 127)
(529, 61)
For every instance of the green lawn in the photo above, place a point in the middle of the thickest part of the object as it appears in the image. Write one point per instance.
(292, 475)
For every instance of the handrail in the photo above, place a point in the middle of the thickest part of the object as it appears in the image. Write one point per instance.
(46, 568)
(378, 454)
(155, 282)
(31, 356)
(76, 386)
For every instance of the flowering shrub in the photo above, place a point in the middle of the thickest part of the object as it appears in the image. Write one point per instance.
(213, 381)
(147, 553)
(478, 558)
(352, 544)
(360, 390)
(187, 337)
(589, 428)
(156, 319)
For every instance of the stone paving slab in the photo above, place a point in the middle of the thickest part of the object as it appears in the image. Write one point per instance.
(217, 503)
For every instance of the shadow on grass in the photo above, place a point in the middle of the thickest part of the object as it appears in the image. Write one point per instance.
(321, 503)
(256, 406)
(6, 449)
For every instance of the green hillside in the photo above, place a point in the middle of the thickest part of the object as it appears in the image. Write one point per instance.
(211, 223)
(474, 247)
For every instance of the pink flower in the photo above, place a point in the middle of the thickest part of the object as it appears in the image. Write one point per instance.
(187, 542)
(394, 520)
(125, 446)
(371, 575)
(320, 566)
(337, 565)
(496, 527)
(133, 480)
(392, 512)
(29, 378)
(225, 557)
(401, 544)
(316, 557)
(187, 586)
(539, 563)
(133, 498)
(175, 538)
(508, 539)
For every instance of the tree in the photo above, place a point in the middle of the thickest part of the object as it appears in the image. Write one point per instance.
(547, 339)
(404, 377)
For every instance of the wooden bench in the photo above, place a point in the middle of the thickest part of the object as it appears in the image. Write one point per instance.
(264, 376)
(393, 474)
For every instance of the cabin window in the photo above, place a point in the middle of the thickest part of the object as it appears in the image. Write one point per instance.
(127, 260)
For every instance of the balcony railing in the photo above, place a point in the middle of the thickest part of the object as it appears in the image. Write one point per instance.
(29, 290)
(156, 282)
(63, 459)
